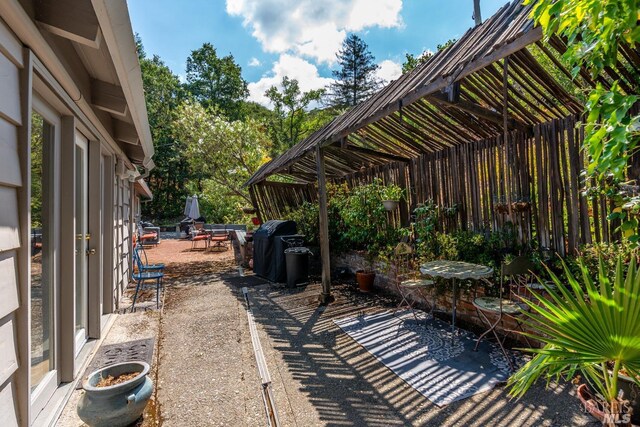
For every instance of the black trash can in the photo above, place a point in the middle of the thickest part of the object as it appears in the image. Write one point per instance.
(297, 266)
(268, 250)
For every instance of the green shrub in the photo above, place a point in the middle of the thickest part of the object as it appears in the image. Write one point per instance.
(357, 219)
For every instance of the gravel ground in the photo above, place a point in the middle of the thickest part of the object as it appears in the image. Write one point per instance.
(207, 374)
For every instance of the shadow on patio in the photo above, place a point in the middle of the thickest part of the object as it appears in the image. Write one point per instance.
(331, 380)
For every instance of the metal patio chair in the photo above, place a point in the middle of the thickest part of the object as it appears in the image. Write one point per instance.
(517, 274)
(142, 276)
(145, 261)
(199, 236)
(409, 282)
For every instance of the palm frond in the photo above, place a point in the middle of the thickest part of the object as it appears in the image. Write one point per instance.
(584, 325)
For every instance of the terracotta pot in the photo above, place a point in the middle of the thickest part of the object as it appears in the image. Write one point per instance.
(365, 280)
(390, 204)
(592, 405)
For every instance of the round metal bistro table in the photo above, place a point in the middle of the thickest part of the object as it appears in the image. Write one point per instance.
(454, 271)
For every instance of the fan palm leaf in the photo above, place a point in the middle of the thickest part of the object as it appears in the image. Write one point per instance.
(586, 326)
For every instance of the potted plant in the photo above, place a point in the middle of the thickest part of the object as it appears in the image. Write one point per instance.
(367, 276)
(115, 395)
(391, 195)
(591, 328)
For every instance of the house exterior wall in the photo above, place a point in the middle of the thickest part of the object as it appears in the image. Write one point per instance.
(10, 183)
(24, 76)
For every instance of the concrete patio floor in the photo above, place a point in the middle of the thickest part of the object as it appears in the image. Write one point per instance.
(207, 374)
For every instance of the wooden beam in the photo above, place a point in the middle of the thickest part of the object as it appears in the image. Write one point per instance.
(125, 132)
(325, 296)
(442, 82)
(75, 20)
(476, 110)
(108, 97)
(374, 153)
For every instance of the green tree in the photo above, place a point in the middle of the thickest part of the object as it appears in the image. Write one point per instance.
(355, 79)
(290, 123)
(594, 30)
(225, 152)
(169, 179)
(412, 61)
(216, 81)
(255, 111)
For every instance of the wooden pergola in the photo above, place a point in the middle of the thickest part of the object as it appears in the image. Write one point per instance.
(490, 120)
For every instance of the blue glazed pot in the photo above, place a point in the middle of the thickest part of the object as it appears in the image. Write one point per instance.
(118, 405)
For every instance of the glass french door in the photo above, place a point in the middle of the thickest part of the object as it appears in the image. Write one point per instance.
(43, 286)
(82, 240)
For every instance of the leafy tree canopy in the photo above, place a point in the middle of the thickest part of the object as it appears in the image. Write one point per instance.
(412, 61)
(289, 123)
(226, 152)
(356, 79)
(163, 94)
(216, 81)
(594, 30)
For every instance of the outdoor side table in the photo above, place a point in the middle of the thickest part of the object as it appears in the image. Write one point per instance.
(455, 270)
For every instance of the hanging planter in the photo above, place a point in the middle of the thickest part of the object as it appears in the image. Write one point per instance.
(520, 206)
(390, 205)
(501, 208)
(391, 195)
(249, 210)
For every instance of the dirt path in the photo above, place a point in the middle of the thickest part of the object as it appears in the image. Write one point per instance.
(207, 374)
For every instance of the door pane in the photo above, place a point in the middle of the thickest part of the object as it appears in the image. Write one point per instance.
(81, 240)
(41, 283)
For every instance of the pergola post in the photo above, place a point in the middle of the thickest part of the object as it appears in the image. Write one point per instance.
(325, 296)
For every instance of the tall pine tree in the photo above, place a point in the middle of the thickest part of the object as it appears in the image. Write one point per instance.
(355, 79)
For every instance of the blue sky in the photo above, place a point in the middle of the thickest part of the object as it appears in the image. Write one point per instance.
(298, 38)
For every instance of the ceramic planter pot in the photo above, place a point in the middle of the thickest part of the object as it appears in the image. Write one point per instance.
(118, 405)
(390, 205)
(631, 393)
(365, 280)
(593, 407)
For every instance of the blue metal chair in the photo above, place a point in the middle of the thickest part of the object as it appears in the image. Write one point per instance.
(145, 265)
(142, 276)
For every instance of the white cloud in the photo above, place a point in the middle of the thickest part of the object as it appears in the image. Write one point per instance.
(293, 67)
(254, 62)
(389, 70)
(310, 27)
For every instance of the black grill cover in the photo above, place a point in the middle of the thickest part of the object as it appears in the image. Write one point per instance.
(268, 256)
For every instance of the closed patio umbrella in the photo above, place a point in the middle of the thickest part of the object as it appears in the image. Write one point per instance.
(187, 206)
(194, 209)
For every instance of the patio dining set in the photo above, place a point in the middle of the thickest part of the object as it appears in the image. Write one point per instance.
(516, 280)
